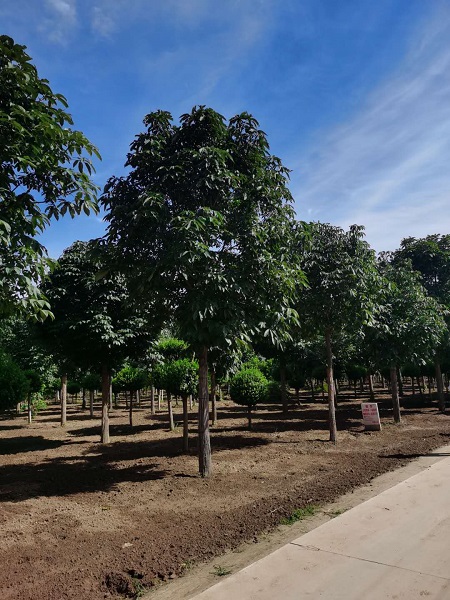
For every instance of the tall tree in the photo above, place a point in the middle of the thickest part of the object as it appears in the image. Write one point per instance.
(341, 272)
(204, 219)
(45, 169)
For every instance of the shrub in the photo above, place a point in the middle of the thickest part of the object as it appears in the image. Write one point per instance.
(249, 387)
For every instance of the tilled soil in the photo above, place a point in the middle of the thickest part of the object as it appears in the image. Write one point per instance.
(85, 521)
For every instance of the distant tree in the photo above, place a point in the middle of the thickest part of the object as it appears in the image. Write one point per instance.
(409, 325)
(45, 170)
(201, 225)
(249, 387)
(182, 380)
(342, 276)
(14, 384)
(430, 256)
(130, 379)
(95, 325)
(34, 386)
(92, 383)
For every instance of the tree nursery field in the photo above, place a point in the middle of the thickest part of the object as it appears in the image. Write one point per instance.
(83, 520)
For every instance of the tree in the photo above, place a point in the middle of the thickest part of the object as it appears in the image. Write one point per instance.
(249, 387)
(408, 327)
(430, 256)
(181, 379)
(92, 383)
(130, 379)
(95, 326)
(45, 169)
(341, 272)
(13, 383)
(34, 386)
(202, 225)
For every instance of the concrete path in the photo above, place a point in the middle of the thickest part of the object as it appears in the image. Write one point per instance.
(394, 546)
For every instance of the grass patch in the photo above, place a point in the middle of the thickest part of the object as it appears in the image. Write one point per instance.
(299, 514)
(220, 571)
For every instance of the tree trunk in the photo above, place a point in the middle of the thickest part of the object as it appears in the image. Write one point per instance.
(130, 412)
(439, 385)
(152, 400)
(313, 397)
(395, 397)
(83, 402)
(330, 383)
(91, 403)
(249, 416)
(284, 400)
(185, 424)
(110, 394)
(400, 383)
(170, 408)
(413, 386)
(190, 401)
(213, 397)
(138, 398)
(297, 395)
(104, 438)
(371, 392)
(204, 442)
(160, 393)
(29, 409)
(63, 397)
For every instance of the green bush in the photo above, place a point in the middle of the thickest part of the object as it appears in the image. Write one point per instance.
(249, 387)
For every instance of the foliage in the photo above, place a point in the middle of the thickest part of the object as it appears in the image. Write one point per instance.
(170, 348)
(73, 387)
(299, 514)
(204, 219)
(130, 379)
(181, 377)
(249, 387)
(91, 382)
(45, 169)
(34, 381)
(409, 324)
(14, 384)
(355, 372)
(94, 323)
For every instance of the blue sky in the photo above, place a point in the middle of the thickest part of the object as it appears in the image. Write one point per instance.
(353, 94)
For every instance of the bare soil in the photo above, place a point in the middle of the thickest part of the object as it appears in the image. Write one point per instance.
(86, 521)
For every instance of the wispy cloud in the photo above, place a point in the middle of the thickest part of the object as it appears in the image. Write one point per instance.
(60, 19)
(387, 167)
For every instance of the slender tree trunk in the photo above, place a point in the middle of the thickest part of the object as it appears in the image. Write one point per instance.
(104, 438)
(400, 383)
(91, 403)
(63, 397)
(361, 385)
(83, 401)
(110, 394)
(29, 409)
(313, 397)
(330, 382)
(130, 412)
(160, 393)
(354, 388)
(429, 387)
(284, 399)
(213, 397)
(204, 442)
(439, 385)
(190, 401)
(413, 386)
(152, 400)
(249, 416)
(395, 397)
(297, 395)
(371, 392)
(138, 398)
(185, 424)
(57, 397)
(170, 408)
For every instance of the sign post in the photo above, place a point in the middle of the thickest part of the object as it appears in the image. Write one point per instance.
(371, 417)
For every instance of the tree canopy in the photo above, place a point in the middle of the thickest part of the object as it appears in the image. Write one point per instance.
(45, 169)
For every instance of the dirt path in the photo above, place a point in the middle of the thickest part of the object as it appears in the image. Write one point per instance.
(81, 521)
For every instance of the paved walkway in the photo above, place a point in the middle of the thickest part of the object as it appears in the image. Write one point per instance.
(394, 546)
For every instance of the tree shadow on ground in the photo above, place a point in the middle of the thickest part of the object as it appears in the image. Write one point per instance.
(101, 468)
(17, 445)
(409, 456)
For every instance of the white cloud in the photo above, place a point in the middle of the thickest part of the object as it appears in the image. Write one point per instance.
(388, 167)
(60, 20)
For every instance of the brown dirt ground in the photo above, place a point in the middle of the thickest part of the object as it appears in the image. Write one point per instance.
(79, 520)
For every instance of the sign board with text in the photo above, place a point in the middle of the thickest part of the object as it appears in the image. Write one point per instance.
(371, 416)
